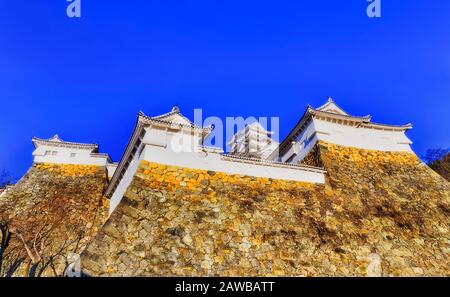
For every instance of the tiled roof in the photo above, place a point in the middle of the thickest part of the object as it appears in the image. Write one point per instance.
(56, 141)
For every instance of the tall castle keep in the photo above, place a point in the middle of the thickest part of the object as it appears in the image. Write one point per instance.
(340, 195)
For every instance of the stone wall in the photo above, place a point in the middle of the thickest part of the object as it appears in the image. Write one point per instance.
(56, 209)
(378, 214)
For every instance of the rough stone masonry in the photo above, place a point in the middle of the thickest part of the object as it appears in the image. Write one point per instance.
(53, 211)
(175, 221)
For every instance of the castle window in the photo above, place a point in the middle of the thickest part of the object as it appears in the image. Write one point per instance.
(141, 150)
(54, 153)
(306, 142)
(73, 155)
(48, 153)
(291, 158)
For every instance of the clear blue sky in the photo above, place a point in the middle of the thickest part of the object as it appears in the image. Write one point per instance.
(86, 79)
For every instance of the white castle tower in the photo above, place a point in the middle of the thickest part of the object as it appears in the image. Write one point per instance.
(330, 123)
(253, 141)
(57, 151)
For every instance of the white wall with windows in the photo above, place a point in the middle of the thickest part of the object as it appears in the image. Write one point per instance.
(346, 135)
(68, 155)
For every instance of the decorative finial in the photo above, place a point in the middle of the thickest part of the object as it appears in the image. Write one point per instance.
(175, 109)
(55, 138)
(330, 99)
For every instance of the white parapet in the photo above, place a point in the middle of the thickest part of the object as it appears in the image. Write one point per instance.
(234, 165)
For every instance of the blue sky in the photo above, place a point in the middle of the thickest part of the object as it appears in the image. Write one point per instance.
(86, 79)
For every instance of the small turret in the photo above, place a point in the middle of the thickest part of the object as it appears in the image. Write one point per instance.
(57, 151)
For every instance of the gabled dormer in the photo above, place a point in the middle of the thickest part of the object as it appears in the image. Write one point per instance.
(174, 116)
(332, 107)
(172, 131)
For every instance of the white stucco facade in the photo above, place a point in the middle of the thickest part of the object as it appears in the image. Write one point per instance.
(329, 123)
(111, 168)
(358, 137)
(125, 181)
(168, 144)
(363, 136)
(57, 151)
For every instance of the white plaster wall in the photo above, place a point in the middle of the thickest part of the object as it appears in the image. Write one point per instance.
(183, 150)
(365, 138)
(215, 162)
(111, 168)
(63, 156)
(125, 181)
(182, 142)
(172, 140)
(299, 148)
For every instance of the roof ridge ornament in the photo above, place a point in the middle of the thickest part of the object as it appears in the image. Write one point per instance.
(56, 138)
(176, 109)
(167, 119)
(332, 107)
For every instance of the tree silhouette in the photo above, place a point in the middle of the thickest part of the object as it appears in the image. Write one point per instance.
(44, 218)
(439, 161)
(6, 179)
